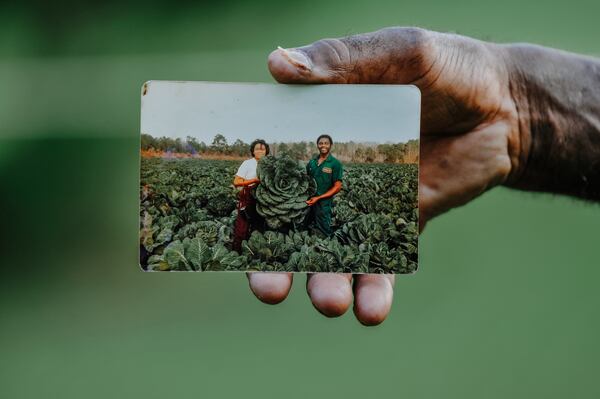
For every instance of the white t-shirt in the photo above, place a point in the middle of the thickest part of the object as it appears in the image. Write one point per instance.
(247, 169)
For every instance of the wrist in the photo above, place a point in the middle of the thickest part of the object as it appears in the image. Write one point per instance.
(519, 91)
(536, 129)
(557, 101)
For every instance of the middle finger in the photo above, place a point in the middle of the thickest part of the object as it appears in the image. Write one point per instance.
(330, 293)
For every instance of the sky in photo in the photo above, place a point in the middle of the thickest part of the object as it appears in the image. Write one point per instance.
(280, 113)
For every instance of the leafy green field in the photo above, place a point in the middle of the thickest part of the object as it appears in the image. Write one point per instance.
(188, 209)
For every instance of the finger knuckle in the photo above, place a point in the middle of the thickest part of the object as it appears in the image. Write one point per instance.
(411, 37)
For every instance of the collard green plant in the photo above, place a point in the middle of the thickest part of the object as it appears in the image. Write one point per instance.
(194, 254)
(153, 235)
(368, 228)
(283, 190)
(220, 202)
(275, 248)
(270, 247)
(328, 255)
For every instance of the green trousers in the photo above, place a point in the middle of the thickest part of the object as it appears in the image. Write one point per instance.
(321, 213)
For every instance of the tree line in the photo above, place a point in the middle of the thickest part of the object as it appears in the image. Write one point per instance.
(345, 151)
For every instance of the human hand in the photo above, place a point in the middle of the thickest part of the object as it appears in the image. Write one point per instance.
(312, 201)
(470, 136)
(251, 182)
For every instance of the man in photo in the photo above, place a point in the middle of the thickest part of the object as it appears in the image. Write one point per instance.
(327, 172)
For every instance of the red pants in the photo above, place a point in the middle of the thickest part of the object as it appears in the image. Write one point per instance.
(247, 218)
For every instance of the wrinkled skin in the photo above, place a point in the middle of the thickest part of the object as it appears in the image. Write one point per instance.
(470, 135)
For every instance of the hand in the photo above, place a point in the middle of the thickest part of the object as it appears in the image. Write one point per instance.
(251, 182)
(312, 201)
(470, 137)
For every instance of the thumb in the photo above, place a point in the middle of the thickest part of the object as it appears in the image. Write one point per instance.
(391, 55)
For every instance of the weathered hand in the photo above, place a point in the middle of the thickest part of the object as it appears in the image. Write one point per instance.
(470, 137)
(311, 201)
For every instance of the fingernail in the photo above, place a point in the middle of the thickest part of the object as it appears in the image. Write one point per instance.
(296, 58)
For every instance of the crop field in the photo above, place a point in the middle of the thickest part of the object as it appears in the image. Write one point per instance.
(188, 208)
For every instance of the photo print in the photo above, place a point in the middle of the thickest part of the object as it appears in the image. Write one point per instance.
(269, 177)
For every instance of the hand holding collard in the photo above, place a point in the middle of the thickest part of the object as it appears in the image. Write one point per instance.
(518, 115)
(491, 115)
(468, 119)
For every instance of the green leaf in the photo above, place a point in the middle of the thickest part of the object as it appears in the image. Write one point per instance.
(175, 257)
(197, 252)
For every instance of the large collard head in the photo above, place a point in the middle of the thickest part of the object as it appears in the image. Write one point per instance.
(283, 190)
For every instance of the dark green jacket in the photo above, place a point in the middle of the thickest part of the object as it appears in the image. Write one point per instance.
(325, 174)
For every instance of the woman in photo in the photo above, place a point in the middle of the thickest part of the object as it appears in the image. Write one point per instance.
(245, 178)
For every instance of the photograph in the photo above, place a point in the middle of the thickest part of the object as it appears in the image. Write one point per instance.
(260, 177)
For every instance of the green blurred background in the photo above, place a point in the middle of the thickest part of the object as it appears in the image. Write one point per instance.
(504, 304)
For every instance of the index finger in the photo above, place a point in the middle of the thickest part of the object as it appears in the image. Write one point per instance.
(270, 287)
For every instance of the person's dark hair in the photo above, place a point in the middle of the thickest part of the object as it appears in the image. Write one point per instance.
(325, 136)
(259, 141)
